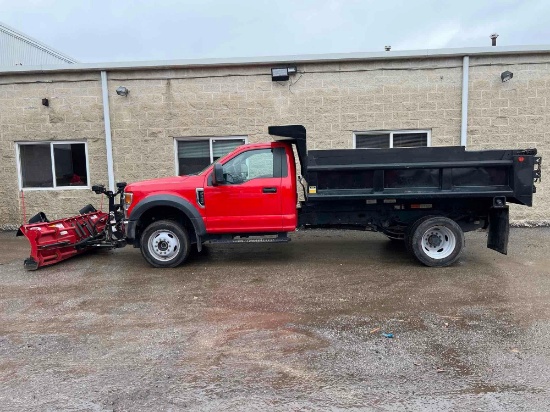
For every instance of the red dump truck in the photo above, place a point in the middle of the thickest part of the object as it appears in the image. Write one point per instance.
(426, 197)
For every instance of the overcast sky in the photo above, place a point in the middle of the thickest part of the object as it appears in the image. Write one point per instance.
(123, 30)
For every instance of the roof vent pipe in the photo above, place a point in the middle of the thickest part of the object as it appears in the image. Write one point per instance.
(494, 39)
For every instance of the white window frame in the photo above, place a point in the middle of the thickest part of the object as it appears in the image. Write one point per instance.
(210, 139)
(391, 132)
(51, 143)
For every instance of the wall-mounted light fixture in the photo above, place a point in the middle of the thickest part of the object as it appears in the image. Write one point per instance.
(281, 74)
(122, 91)
(45, 102)
(505, 76)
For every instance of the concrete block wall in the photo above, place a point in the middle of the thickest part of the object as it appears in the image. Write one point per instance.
(332, 100)
(514, 114)
(75, 113)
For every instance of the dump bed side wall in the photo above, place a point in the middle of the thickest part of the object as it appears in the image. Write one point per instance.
(419, 173)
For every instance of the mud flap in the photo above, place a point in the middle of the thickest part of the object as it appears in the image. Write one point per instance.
(499, 229)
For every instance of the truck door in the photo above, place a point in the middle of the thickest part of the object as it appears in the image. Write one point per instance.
(250, 200)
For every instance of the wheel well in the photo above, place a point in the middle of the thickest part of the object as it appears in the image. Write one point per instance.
(165, 213)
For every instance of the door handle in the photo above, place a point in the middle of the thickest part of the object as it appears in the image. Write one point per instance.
(269, 190)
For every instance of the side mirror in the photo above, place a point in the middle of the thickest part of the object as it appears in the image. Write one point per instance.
(217, 176)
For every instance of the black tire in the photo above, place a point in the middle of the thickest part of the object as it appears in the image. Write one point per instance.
(436, 241)
(165, 244)
(410, 230)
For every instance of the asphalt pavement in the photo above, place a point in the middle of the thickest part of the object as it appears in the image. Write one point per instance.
(332, 320)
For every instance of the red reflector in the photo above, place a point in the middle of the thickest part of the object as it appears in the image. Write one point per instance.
(521, 159)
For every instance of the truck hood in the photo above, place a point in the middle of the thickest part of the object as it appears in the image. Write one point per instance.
(164, 183)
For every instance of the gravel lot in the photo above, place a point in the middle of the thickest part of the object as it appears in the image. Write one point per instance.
(279, 327)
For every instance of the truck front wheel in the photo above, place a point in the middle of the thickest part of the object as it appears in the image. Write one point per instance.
(165, 244)
(436, 241)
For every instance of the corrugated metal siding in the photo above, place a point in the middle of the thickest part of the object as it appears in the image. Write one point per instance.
(16, 49)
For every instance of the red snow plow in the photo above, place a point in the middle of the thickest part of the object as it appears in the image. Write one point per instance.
(54, 241)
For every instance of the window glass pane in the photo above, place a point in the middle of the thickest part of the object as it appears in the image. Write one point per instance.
(372, 141)
(70, 164)
(222, 147)
(260, 164)
(36, 165)
(410, 139)
(249, 165)
(193, 156)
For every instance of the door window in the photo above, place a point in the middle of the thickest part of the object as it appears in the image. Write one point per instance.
(254, 164)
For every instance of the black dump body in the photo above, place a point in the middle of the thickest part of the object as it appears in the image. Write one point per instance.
(414, 173)
(426, 172)
(389, 189)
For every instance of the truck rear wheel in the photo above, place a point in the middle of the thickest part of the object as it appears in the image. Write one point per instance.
(409, 231)
(165, 244)
(436, 241)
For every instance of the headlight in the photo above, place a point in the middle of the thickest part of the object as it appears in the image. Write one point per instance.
(128, 197)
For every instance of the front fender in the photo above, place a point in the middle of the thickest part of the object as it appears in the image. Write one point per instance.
(165, 200)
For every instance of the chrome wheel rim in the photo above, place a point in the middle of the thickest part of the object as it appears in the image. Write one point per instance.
(164, 245)
(438, 242)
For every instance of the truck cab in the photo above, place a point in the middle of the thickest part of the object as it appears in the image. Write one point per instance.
(249, 192)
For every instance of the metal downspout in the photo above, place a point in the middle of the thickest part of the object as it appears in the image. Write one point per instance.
(464, 122)
(107, 122)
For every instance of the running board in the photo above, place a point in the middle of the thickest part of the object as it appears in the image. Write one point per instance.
(281, 238)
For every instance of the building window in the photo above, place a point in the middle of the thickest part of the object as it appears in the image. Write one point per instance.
(389, 139)
(53, 165)
(193, 155)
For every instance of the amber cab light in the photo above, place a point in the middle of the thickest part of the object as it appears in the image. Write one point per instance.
(128, 197)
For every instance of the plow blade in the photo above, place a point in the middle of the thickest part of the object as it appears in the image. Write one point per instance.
(53, 242)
